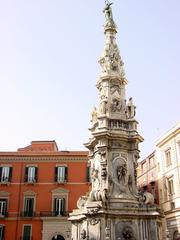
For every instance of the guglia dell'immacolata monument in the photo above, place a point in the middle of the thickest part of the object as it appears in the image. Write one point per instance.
(113, 210)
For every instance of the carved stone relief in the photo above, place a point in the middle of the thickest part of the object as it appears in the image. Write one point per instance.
(98, 173)
(125, 231)
(116, 105)
(119, 177)
(115, 91)
(81, 202)
(83, 234)
(102, 153)
(94, 221)
(128, 234)
(111, 59)
(104, 173)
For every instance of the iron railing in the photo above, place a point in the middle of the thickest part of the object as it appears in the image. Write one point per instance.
(26, 238)
(28, 214)
(3, 214)
(54, 214)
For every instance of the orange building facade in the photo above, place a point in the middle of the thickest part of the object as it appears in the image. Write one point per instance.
(39, 186)
(147, 179)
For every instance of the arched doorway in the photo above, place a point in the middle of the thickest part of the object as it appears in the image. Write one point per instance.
(58, 237)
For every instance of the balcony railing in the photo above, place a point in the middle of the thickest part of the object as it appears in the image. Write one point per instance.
(3, 215)
(28, 214)
(54, 214)
(26, 238)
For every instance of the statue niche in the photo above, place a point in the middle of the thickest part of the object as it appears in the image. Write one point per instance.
(119, 177)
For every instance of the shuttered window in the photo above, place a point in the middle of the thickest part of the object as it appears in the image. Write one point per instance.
(61, 174)
(27, 232)
(3, 207)
(2, 230)
(29, 207)
(31, 174)
(5, 174)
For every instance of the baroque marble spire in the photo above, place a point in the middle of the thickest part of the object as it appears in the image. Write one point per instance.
(113, 201)
(113, 126)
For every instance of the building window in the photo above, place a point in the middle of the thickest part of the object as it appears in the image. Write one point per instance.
(168, 157)
(27, 232)
(31, 174)
(5, 174)
(2, 230)
(59, 206)
(170, 186)
(144, 167)
(28, 207)
(151, 162)
(61, 174)
(172, 205)
(3, 207)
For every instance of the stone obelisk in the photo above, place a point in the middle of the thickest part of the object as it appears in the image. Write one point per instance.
(112, 209)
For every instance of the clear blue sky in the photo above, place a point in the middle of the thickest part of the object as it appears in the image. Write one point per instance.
(49, 51)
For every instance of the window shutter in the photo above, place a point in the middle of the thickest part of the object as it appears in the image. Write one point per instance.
(2, 230)
(0, 173)
(27, 232)
(5, 209)
(55, 207)
(88, 174)
(55, 174)
(66, 173)
(26, 174)
(31, 206)
(36, 174)
(62, 207)
(10, 173)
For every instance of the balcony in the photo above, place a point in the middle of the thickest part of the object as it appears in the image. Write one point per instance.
(3, 215)
(28, 214)
(5, 181)
(26, 238)
(54, 214)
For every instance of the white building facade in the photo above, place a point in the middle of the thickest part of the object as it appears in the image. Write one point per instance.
(168, 166)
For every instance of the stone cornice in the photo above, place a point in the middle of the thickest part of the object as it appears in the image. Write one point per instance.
(41, 159)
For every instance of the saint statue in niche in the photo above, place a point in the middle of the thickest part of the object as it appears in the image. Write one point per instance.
(121, 173)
